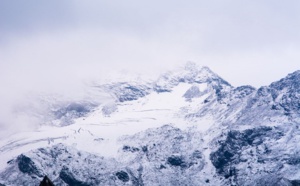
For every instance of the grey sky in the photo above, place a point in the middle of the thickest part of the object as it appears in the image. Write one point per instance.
(59, 41)
(52, 46)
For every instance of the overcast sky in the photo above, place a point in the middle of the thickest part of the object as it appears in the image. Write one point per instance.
(60, 42)
(57, 44)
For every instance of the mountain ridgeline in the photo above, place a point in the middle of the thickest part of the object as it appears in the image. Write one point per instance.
(199, 130)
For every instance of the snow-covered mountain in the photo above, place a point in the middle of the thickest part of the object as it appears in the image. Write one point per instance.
(188, 127)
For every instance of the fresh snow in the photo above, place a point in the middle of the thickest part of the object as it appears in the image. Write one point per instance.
(102, 131)
(227, 135)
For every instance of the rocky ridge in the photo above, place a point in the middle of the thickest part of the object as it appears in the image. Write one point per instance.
(253, 138)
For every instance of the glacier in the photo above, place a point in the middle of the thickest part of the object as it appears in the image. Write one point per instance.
(187, 127)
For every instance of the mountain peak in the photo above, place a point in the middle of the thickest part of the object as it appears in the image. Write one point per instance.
(194, 73)
(292, 81)
(198, 72)
(193, 67)
(189, 73)
(295, 75)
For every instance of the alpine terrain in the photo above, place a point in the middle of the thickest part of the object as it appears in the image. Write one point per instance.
(188, 127)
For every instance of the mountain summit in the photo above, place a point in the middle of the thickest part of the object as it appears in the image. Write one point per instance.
(286, 93)
(200, 74)
(189, 73)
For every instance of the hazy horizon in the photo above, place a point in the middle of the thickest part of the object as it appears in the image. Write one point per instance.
(60, 44)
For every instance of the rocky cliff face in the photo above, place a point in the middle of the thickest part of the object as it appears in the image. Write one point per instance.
(161, 156)
(216, 134)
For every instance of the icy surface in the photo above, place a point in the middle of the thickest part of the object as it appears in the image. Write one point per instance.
(189, 127)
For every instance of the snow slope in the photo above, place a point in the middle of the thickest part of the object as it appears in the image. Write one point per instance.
(189, 127)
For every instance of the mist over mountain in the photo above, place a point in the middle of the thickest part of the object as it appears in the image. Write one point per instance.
(188, 126)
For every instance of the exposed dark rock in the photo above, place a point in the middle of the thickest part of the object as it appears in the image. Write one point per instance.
(290, 86)
(228, 154)
(133, 93)
(123, 176)
(136, 180)
(293, 161)
(176, 161)
(220, 92)
(67, 176)
(295, 182)
(46, 182)
(160, 89)
(74, 109)
(130, 149)
(145, 149)
(128, 91)
(10, 161)
(27, 166)
(162, 167)
(243, 91)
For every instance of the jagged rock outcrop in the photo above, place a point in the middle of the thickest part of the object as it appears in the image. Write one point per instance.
(221, 135)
